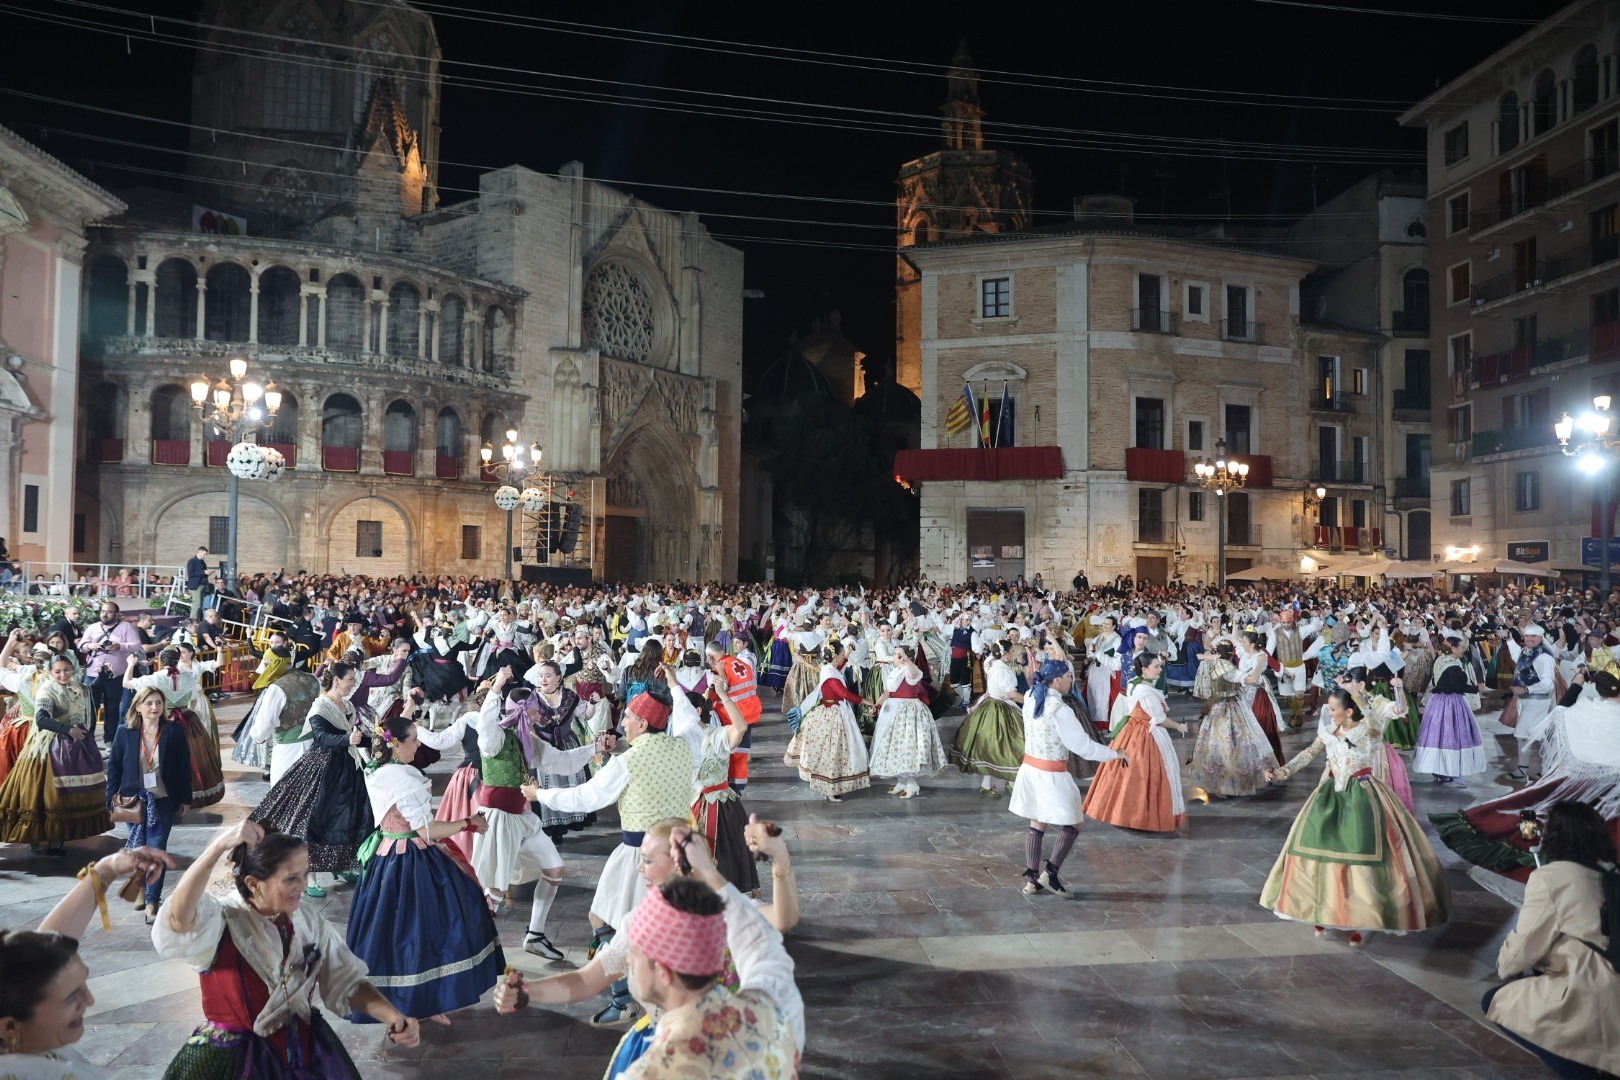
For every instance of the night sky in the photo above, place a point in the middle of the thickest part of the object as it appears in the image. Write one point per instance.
(1080, 91)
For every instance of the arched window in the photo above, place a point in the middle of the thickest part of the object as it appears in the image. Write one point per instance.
(1545, 112)
(1586, 78)
(399, 439)
(1415, 294)
(1507, 122)
(345, 313)
(497, 339)
(447, 439)
(227, 309)
(283, 432)
(922, 230)
(404, 320)
(342, 427)
(104, 423)
(278, 306)
(176, 314)
(107, 299)
(452, 330)
(171, 413)
(491, 434)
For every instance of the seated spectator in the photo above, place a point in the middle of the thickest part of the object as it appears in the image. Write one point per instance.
(1562, 1000)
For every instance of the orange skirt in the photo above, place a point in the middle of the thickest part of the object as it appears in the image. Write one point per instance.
(1134, 796)
(11, 744)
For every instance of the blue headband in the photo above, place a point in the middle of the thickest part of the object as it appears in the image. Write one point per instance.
(1050, 670)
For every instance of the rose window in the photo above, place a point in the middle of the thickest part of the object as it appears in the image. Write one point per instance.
(618, 314)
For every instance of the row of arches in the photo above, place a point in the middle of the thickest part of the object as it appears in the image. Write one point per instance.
(338, 314)
(1520, 119)
(342, 425)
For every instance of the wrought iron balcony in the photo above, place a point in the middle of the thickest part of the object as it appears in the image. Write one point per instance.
(1153, 321)
(1240, 330)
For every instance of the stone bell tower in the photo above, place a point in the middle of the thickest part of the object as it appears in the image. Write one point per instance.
(955, 191)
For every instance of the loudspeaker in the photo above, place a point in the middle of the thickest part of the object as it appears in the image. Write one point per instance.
(517, 554)
(570, 530)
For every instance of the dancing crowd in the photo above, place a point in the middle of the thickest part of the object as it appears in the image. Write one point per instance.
(565, 702)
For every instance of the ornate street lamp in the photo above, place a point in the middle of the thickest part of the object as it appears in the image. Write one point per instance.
(517, 464)
(1593, 458)
(237, 407)
(1221, 475)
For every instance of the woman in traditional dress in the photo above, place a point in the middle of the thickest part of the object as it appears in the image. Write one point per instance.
(555, 722)
(1355, 860)
(1186, 631)
(1102, 686)
(643, 670)
(1418, 656)
(150, 761)
(906, 743)
(1253, 663)
(1232, 753)
(1581, 756)
(1046, 793)
(803, 678)
(1146, 795)
(828, 749)
(990, 740)
(781, 658)
(323, 796)
(261, 957)
(1389, 767)
(183, 694)
(1449, 744)
(414, 888)
(882, 660)
(717, 808)
(1384, 664)
(56, 791)
(20, 681)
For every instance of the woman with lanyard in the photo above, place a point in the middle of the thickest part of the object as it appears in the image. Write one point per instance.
(1147, 797)
(1355, 860)
(322, 798)
(150, 763)
(54, 794)
(1045, 792)
(414, 887)
(183, 695)
(262, 957)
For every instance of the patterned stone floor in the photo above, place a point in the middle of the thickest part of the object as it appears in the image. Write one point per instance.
(918, 956)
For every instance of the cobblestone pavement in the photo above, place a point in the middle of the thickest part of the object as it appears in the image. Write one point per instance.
(919, 956)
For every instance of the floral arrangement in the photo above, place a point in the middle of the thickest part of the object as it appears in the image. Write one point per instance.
(32, 614)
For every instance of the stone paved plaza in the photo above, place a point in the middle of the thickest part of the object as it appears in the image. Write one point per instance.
(918, 956)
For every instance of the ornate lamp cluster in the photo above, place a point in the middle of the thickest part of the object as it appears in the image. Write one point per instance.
(1592, 457)
(1221, 473)
(238, 407)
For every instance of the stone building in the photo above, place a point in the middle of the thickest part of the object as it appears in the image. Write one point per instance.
(1524, 252)
(1123, 353)
(45, 208)
(1371, 244)
(404, 334)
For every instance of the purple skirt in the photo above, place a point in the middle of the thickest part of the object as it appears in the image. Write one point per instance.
(1448, 741)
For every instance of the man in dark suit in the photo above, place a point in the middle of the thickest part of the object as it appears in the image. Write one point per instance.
(197, 579)
(68, 626)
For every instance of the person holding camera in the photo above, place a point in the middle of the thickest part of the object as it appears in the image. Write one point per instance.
(107, 649)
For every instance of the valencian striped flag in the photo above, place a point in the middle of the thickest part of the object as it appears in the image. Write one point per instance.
(962, 413)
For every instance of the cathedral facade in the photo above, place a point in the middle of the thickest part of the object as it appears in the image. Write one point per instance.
(404, 334)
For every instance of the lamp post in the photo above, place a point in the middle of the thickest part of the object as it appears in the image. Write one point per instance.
(1313, 498)
(1592, 457)
(1220, 475)
(513, 467)
(237, 407)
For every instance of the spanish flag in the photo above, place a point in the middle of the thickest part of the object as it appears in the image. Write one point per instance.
(961, 414)
(984, 417)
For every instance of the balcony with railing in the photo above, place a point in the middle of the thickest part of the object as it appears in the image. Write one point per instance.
(1240, 330)
(446, 467)
(1412, 404)
(1583, 174)
(1328, 471)
(1153, 321)
(1336, 402)
(399, 462)
(1561, 266)
(171, 451)
(1406, 323)
(1412, 487)
(1243, 534)
(1347, 538)
(1155, 466)
(1531, 197)
(1509, 440)
(1149, 531)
